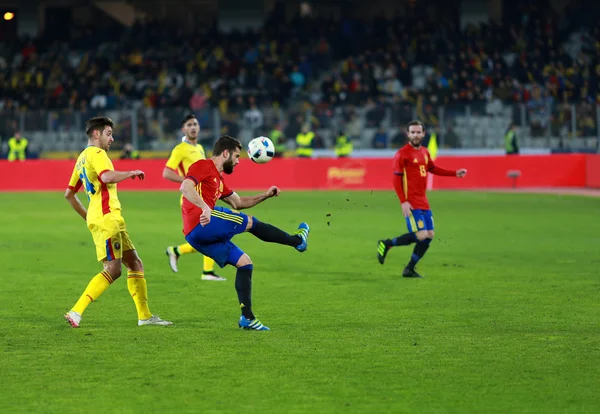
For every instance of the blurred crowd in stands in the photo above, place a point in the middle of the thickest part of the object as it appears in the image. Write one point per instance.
(419, 59)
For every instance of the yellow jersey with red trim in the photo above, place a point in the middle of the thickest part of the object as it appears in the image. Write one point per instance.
(103, 199)
(184, 155)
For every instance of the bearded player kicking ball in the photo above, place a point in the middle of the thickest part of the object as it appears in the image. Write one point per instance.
(411, 165)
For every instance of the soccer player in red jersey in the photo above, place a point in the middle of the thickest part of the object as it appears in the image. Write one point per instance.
(411, 165)
(209, 229)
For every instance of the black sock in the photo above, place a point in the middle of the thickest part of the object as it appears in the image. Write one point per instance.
(243, 286)
(176, 251)
(418, 253)
(272, 234)
(404, 240)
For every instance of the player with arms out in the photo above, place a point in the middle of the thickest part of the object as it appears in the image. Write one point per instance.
(183, 155)
(209, 229)
(411, 165)
(95, 173)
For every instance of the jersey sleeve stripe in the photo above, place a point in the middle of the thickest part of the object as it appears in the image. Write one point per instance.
(398, 173)
(100, 176)
(226, 195)
(192, 178)
(166, 166)
(77, 186)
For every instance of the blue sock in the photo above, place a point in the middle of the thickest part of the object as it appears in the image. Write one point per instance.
(404, 240)
(418, 253)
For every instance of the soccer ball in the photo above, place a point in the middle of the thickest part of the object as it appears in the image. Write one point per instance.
(261, 150)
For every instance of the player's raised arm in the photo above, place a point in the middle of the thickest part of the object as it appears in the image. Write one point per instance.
(114, 177)
(241, 202)
(435, 170)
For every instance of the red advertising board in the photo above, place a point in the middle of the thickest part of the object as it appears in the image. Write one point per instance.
(559, 171)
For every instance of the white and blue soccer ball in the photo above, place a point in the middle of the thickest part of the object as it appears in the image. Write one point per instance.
(261, 150)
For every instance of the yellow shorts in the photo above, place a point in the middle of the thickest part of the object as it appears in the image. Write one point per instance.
(110, 237)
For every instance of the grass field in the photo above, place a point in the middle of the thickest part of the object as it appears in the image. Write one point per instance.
(505, 321)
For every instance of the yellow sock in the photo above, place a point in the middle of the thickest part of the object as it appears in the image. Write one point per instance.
(185, 249)
(139, 292)
(94, 289)
(209, 264)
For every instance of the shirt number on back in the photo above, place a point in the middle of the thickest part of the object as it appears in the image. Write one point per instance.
(89, 187)
(423, 171)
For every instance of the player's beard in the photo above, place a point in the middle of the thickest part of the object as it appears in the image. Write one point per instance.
(415, 142)
(228, 165)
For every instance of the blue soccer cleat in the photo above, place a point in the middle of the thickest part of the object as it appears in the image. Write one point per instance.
(253, 325)
(303, 231)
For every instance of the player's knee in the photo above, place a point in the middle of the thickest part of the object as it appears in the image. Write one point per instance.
(113, 268)
(135, 265)
(422, 235)
(244, 261)
(430, 234)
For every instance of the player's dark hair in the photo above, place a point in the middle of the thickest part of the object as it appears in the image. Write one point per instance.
(226, 143)
(415, 123)
(98, 124)
(187, 118)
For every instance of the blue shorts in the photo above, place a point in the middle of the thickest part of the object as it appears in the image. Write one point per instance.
(419, 220)
(214, 239)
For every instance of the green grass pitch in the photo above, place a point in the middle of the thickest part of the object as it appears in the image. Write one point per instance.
(506, 319)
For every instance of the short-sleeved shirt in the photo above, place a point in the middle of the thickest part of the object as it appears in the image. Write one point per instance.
(103, 199)
(210, 185)
(183, 156)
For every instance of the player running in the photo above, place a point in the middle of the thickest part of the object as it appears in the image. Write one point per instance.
(209, 229)
(412, 162)
(95, 173)
(183, 155)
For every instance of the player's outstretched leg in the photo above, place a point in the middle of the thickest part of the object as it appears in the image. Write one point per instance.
(418, 253)
(383, 246)
(243, 287)
(271, 234)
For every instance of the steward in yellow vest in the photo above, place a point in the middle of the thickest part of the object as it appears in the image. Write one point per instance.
(343, 146)
(304, 142)
(17, 146)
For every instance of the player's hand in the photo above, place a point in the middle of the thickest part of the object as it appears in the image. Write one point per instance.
(137, 173)
(406, 209)
(461, 173)
(205, 216)
(274, 191)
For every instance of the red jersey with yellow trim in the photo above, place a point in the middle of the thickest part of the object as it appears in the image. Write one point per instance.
(209, 185)
(413, 164)
(103, 199)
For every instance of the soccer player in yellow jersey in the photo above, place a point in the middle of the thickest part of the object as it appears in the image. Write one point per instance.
(182, 156)
(95, 173)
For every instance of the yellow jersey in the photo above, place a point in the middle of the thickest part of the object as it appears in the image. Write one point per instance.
(184, 155)
(103, 200)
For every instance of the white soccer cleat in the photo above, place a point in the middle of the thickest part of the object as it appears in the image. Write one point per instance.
(213, 277)
(73, 318)
(172, 258)
(154, 320)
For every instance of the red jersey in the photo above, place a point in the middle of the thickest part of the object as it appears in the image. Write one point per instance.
(412, 165)
(209, 185)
